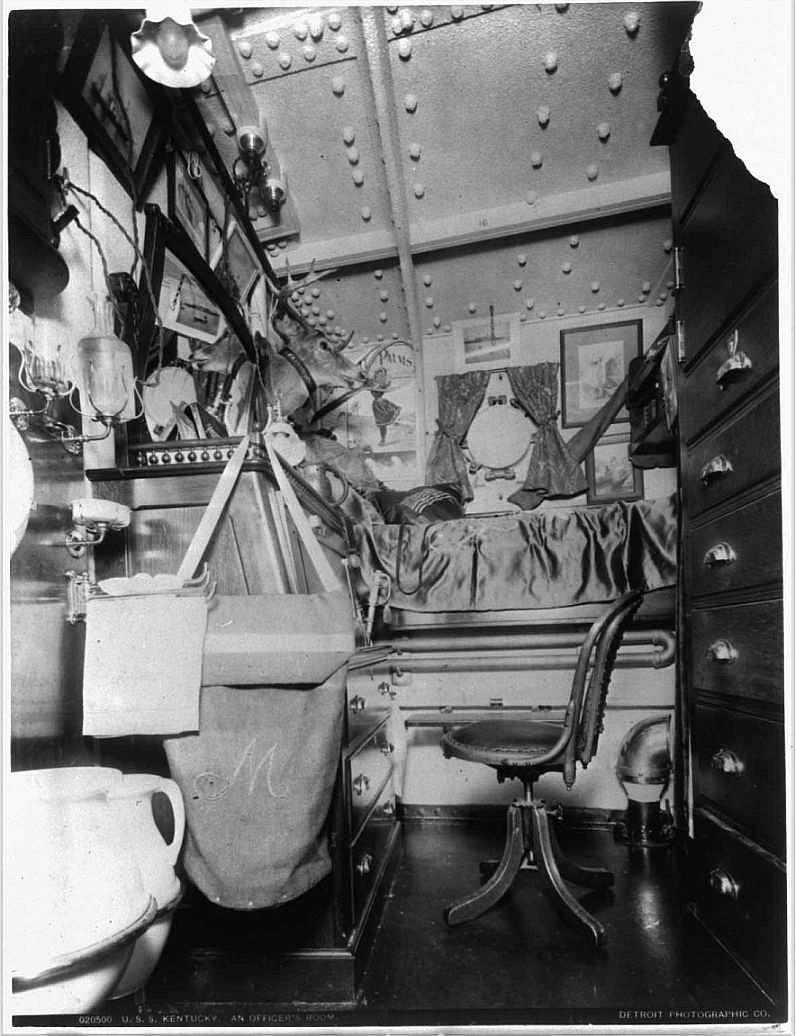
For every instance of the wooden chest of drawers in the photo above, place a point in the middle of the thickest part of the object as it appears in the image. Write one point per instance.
(731, 630)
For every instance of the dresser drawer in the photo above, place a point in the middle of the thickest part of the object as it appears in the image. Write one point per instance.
(369, 851)
(739, 768)
(366, 770)
(691, 154)
(702, 397)
(729, 244)
(737, 456)
(740, 893)
(740, 549)
(736, 650)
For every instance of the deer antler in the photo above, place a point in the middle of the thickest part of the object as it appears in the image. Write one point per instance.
(293, 285)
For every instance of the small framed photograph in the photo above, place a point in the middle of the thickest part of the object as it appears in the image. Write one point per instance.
(187, 205)
(610, 474)
(594, 363)
(487, 343)
(184, 306)
(668, 380)
(238, 260)
(120, 111)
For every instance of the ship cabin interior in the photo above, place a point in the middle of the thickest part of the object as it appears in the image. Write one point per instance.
(392, 497)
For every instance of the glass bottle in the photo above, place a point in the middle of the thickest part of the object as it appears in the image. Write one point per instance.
(105, 364)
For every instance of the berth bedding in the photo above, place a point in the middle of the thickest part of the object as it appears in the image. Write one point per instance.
(540, 559)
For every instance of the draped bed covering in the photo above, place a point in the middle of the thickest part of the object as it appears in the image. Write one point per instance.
(544, 559)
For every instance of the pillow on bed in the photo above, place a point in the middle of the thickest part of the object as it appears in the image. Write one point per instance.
(420, 505)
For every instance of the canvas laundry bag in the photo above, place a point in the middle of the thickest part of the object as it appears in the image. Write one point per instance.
(258, 777)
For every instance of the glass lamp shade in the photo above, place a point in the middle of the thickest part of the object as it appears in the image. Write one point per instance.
(169, 49)
(105, 365)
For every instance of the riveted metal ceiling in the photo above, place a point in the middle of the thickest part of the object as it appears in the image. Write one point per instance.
(447, 158)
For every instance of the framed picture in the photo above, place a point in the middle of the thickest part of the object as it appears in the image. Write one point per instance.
(668, 380)
(594, 363)
(184, 306)
(188, 206)
(118, 108)
(486, 343)
(242, 264)
(610, 474)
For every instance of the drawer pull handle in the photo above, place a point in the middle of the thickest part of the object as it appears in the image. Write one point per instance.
(722, 652)
(364, 865)
(727, 762)
(357, 703)
(724, 883)
(360, 783)
(736, 363)
(388, 809)
(716, 468)
(720, 554)
(388, 747)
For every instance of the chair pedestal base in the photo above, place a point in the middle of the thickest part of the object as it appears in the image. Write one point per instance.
(529, 834)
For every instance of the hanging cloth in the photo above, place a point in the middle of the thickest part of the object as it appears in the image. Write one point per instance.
(460, 396)
(552, 471)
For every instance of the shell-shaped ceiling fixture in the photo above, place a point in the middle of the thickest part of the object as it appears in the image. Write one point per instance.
(169, 49)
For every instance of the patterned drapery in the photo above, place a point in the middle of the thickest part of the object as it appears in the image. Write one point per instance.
(459, 396)
(552, 471)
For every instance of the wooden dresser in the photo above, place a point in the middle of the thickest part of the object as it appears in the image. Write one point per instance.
(731, 623)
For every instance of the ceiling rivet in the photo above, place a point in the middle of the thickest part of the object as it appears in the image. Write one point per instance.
(405, 49)
(285, 61)
(522, 259)
(283, 244)
(366, 212)
(335, 21)
(353, 155)
(561, 8)
(536, 159)
(245, 48)
(620, 302)
(330, 315)
(315, 292)
(349, 135)
(420, 190)
(365, 339)
(591, 172)
(543, 114)
(550, 61)
(407, 20)
(581, 309)
(295, 296)
(309, 52)
(472, 307)
(667, 245)
(615, 80)
(632, 21)
(383, 317)
(595, 286)
(342, 44)
(642, 298)
(429, 301)
(338, 86)
(560, 311)
(301, 29)
(311, 321)
(670, 285)
(316, 27)
(257, 68)
(378, 274)
(531, 197)
(529, 303)
(457, 12)
(436, 321)
(604, 131)
(517, 285)
(566, 267)
(410, 102)
(414, 152)
(392, 10)
(574, 241)
(395, 25)
(427, 279)
(272, 39)
(322, 321)
(663, 296)
(384, 295)
(394, 334)
(523, 318)
(542, 314)
(646, 287)
(446, 328)
(601, 306)
(358, 177)
(426, 18)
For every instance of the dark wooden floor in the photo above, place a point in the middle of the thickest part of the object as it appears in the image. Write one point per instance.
(515, 965)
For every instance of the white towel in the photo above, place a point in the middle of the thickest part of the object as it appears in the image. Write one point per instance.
(143, 665)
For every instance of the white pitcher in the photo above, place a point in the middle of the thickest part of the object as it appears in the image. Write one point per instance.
(131, 801)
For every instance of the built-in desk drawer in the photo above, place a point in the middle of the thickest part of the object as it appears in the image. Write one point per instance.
(702, 396)
(739, 549)
(739, 767)
(736, 650)
(740, 454)
(367, 770)
(369, 850)
(729, 244)
(692, 153)
(740, 893)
